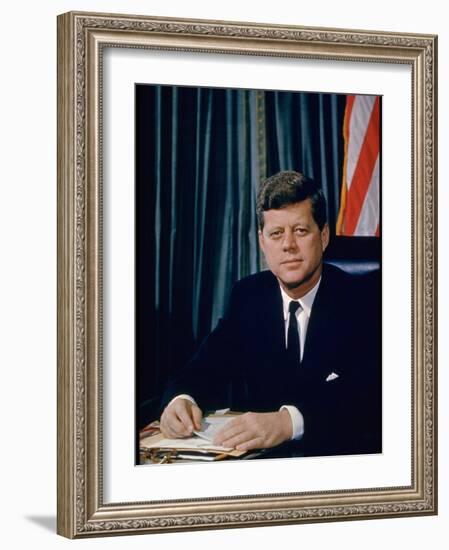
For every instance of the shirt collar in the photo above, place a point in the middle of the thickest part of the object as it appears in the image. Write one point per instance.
(305, 301)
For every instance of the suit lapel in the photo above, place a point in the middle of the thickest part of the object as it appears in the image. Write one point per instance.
(271, 322)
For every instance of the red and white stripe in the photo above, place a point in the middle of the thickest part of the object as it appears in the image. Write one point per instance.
(360, 204)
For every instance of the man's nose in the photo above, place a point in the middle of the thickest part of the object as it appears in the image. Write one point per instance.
(289, 241)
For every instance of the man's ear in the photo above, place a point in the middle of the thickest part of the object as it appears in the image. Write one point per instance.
(325, 236)
(261, 239)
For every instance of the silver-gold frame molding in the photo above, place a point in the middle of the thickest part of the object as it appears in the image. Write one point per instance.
(81, 39)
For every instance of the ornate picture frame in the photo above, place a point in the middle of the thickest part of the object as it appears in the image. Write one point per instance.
(83, 510)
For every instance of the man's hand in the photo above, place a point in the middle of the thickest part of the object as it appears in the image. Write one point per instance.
(180, 418)
(255, 431)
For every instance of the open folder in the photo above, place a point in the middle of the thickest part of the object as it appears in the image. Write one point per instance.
(197, 447)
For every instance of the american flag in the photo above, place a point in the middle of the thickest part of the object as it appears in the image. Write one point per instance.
(360, 203)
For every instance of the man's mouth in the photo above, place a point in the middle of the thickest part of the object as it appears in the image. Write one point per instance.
(292, 261)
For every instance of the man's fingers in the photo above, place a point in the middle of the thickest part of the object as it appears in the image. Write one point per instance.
(232, 429)
(236, 439)
(171, 424)
(255, 443)
(171, 427)
(179, 428)
(184, 414)
(236, 426)
(179, 419)
(168, 432)
(244, 441)
(197, 416)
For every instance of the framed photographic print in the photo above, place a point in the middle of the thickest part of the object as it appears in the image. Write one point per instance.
(208, 173)
(202, 154)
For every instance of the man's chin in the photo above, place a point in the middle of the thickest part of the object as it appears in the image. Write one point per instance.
(299, 283)
(292, 277)
(293, 284)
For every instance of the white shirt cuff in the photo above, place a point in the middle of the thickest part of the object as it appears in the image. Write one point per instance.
(297, 421)
(183, 396)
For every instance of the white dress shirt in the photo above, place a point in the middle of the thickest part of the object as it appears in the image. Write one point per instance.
(302, 317)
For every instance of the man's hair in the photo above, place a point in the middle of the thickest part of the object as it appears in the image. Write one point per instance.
(288, 187)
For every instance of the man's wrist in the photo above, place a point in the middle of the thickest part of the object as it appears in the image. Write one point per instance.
(287, 426)
(182, 396)
(297, 421)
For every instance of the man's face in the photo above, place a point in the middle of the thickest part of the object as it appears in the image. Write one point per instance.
(293, 246)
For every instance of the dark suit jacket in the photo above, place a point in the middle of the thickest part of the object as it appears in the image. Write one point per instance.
(243, 364)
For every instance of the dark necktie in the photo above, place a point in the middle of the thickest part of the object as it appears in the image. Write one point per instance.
(293, 345)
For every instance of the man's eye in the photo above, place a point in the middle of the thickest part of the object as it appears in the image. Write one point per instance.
(275, 234)
(300, 231)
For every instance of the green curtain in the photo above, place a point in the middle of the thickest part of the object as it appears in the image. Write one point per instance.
(200, 155)
(305, 133)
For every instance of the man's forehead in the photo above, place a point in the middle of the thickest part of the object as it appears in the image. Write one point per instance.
(296, 212)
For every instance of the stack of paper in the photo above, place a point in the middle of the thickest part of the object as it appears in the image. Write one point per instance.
(199, 446)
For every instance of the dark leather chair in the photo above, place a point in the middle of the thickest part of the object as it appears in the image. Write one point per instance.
(356, 255)
(356, 267)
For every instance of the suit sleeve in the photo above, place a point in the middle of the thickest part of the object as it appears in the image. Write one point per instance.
(208, 374)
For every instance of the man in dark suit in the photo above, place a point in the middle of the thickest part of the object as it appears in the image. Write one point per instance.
(299, 345)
